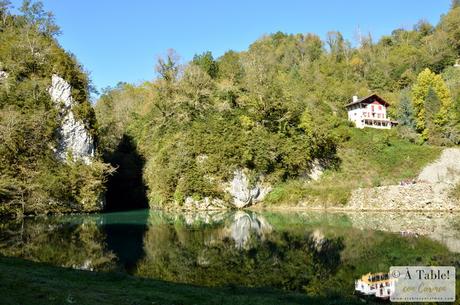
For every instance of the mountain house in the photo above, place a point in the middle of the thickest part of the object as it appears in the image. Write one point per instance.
(370, 111)
(380, 285)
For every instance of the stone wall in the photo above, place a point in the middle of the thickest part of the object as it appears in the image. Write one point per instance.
(430, 192)
(419, 196)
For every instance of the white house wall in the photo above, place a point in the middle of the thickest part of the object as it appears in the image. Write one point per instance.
(358, 113)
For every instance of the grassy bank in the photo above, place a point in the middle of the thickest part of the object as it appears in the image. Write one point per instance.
(24, 282)
(369, 158)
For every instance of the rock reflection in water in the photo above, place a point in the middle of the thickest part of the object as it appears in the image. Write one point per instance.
(245, 225)
(314, 252)
(240, 248)
(442, 227)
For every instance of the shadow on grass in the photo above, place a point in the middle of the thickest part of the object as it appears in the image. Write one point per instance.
(25, 282)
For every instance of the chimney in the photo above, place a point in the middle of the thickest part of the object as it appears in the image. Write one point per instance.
(355, 98)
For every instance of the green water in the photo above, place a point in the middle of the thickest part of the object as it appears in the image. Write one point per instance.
(317, 253)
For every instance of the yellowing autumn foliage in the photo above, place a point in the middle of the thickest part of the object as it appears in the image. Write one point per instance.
(427, 80)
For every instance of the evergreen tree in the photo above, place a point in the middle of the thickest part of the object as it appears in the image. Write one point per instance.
(406, 111)
(206, 62)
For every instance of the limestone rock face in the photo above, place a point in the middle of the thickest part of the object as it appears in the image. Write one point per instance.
(73, 137)
(241, 191)
(316, 171)
(242, 194)
(203, 204)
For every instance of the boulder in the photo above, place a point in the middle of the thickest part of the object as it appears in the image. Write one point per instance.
(243, 194)
(3, 75)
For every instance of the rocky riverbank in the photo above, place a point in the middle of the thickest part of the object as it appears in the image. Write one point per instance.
(431, 191)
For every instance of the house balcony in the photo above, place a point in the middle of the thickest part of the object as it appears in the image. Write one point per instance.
(382, 123)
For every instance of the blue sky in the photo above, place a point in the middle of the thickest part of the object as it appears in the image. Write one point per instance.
(121, 40)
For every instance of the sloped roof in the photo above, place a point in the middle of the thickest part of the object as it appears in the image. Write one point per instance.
(369, 99)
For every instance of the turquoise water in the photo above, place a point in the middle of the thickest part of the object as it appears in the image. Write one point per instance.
(316, 253)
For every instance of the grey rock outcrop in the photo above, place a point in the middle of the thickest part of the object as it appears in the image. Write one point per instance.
(203, 204)
(243, 193)
(73, 137)
(316, 170)
(3, 75)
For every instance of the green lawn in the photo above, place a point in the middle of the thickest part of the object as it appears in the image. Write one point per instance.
(25, 282)
(369, 158)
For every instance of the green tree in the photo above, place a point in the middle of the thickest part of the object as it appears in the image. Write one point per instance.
(406, 111)
(206, 62)
(4, 11)
(337, 45)
(230, 67)
(428, 81)
(41, 20)
(450, 24)
(432, 108)
(168, 68)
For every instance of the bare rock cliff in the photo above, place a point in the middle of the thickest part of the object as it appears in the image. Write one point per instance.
(73, 138)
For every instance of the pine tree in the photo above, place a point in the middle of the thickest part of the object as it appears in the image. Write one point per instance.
(406, 112)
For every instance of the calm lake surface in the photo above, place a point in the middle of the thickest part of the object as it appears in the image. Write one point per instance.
(317, 253)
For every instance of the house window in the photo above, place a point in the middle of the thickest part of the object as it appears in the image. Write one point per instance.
(380, 107)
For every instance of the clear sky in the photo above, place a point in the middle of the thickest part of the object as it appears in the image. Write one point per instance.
(121, 40)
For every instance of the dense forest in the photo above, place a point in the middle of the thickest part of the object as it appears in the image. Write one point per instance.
(277, 109)
(32, 179)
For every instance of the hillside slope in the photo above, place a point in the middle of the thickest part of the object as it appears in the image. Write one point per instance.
(433, 189)
(446, 169)
(268, 117)
(48, 131)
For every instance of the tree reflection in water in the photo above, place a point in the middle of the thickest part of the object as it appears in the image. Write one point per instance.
(317, 253)
(61, 243)
(242, 249)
